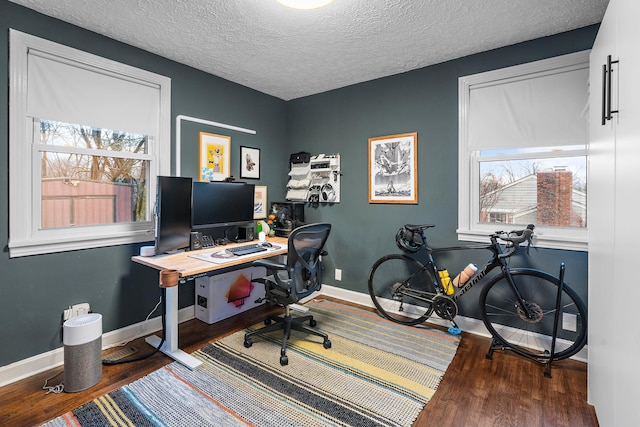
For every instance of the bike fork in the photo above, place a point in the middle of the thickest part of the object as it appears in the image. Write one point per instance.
(520, 300)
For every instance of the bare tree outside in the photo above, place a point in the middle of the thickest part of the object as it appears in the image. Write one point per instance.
(490, 190)
(95, 163)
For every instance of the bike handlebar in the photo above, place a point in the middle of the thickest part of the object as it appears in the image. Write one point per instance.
(516, 236)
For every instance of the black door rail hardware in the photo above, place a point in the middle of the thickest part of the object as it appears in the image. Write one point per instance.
(607, 113)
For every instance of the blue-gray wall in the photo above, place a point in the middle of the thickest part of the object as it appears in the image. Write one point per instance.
(34, 290)
(423, 101)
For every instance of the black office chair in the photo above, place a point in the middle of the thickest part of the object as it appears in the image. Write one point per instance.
(290, 282)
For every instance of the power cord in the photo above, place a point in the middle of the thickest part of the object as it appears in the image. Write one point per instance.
(141, 327)
(53, 389)
(155, 350)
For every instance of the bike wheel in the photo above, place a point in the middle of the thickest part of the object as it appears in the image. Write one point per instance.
(402, 289)
(532, 337)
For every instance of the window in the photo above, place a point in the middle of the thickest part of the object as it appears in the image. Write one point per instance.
(523, 151)
(88, 136)
(79, 187)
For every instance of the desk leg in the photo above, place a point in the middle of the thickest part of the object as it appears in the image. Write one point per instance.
(170, 346)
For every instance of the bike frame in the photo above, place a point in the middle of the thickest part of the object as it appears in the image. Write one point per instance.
(497, 260)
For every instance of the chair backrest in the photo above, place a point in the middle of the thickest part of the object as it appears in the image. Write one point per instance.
(303, 258)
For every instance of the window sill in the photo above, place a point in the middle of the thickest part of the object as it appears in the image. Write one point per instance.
(575, 241)
(28, 247)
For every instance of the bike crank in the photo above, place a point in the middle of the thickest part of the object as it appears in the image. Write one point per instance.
(446, 308)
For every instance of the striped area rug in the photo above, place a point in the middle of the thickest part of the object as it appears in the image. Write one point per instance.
(377, 373)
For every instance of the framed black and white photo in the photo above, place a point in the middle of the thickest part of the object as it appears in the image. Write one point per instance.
(393, 169)
(249, 162)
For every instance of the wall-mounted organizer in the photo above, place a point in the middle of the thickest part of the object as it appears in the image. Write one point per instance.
(314, 179)
(298, 185)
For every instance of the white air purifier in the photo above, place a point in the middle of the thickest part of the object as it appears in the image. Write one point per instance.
(82, 338)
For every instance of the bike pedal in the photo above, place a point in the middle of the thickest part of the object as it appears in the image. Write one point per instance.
(454, 331)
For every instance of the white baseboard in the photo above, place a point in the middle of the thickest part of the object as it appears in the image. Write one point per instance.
(54, 358)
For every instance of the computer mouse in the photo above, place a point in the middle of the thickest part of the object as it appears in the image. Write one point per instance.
(267, 245)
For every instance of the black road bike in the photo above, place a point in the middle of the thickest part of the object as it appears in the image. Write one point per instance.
(528, 311)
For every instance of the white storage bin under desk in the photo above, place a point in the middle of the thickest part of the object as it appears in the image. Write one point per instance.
(227, 294)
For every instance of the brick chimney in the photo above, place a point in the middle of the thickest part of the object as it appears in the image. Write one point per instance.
(554, 198)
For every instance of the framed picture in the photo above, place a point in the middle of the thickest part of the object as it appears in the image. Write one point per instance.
(260, 202)
(215, 152)
(249, 162)
(393, 169)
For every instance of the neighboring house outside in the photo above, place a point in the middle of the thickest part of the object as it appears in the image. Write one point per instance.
(544, 198)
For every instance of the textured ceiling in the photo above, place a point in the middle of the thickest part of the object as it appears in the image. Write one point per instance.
(290, 53)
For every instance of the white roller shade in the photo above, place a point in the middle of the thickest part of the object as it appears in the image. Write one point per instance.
(547, 110)
(62, 91)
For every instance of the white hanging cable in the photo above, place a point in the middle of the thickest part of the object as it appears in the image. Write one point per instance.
(53, 389)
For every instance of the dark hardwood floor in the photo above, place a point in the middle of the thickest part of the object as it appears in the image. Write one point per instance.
(504, 391)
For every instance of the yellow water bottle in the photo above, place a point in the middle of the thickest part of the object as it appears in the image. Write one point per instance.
(446, 281)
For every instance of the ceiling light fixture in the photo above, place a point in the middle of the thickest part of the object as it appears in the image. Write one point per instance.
(304, 4)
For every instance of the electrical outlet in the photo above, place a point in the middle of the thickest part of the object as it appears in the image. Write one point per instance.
(80, 309)
(569, 322)
(338, 274)
(76, 310)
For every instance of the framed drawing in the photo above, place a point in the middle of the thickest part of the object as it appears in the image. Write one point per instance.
(260, 202)
(249, 162)
(215, 152)
(393, 169)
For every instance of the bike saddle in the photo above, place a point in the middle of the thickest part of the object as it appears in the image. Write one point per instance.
(412, 227)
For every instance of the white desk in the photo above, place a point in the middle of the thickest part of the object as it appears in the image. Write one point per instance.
(189, 268)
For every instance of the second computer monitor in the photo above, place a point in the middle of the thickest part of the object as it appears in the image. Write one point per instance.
(221, 204)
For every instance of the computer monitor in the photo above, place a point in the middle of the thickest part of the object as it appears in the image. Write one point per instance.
(221, 204)
(173, 213)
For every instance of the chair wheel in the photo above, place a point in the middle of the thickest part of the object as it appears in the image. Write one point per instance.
(247, 342)
(284, 360)
(313, 323)
(326, 343)
(267, 322)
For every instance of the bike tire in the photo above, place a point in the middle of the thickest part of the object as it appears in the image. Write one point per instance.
(402, 289)
(533, 337)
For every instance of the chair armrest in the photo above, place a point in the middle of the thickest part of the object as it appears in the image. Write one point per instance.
(270, 265)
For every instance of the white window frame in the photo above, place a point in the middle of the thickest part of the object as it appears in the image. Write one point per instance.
(469, 228)
(25, 234)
